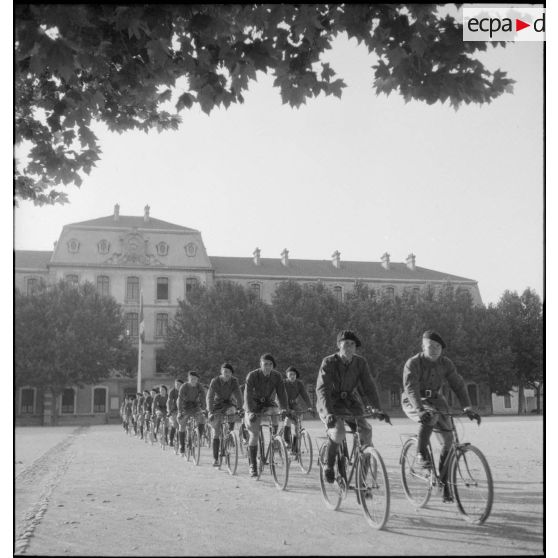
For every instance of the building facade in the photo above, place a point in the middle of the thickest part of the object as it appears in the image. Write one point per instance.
(125, 256)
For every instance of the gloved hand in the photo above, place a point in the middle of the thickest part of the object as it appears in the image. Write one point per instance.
(424, 416)
(382, 415)
(252, 417)
(331, 421)
(471, 415)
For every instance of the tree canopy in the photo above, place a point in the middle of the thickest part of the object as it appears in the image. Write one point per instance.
(68, 335)
(79, 63)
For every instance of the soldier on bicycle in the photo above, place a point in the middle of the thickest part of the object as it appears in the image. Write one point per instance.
(340, 378)
(423, 377)
(160, 408)
(295, 389)
(172, 409)
(262, 386)
(223, 398)
(191, 402)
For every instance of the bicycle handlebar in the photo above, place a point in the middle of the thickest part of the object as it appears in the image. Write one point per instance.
(471, 415)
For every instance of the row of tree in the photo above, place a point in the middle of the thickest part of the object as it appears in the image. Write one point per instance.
(67, 335)
(501, 345)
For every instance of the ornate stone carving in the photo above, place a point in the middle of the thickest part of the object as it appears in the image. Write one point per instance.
(162, 248)
(103, 246)
(73, 246)
(191, 249)
(133, 251)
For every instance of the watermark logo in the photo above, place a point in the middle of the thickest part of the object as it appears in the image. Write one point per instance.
(503, 24)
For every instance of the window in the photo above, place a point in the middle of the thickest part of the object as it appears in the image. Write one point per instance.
(132, 288)
(507, 401)
(473, 394)
(162, 288)
(191, 284)
(103, 285)
(256, 290)
(31, 286)
(160, 361)
(72, 279)
(103, 246)
(27, 401)
(338, 293)
(100, 400)
(390, 293)
(161, 325)
(395, 398)
(132, 325)
(68, 406)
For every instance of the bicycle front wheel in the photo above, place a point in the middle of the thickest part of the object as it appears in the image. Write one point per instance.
(196, 447)
(373, 487)
(417, 483)
(279, 462)
(231, 452)
(471, 483)
(305, 453)
(332, 493)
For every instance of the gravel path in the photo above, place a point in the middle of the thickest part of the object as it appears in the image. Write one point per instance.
(99, 492)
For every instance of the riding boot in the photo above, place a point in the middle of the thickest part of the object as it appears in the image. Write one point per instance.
(216, 451)
(287, 435)
(201, 430)
(141, 432)
(172, 433)
(293, 445)
(331, 453)
(424, 434)
(253, 460)
(182, 440)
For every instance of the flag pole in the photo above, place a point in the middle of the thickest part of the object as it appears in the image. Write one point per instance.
(140, 340)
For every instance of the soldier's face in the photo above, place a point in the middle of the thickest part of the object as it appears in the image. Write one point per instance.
(226, 374)
(291, 376)
(432, 349)
(266, 366)
(347, 348)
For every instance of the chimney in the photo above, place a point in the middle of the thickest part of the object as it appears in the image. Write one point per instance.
(256, 254)
(410, 261)
(336, 259)
(146, 214)
(116, 212)
(285, 257)
(385, 260)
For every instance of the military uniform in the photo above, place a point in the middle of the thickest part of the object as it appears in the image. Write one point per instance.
(337, 392)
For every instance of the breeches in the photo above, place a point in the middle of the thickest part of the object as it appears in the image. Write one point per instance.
(254, 427)
(337, 433)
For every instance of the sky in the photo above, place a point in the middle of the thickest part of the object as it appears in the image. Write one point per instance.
(367, 174)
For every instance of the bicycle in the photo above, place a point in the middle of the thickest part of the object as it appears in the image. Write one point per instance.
(367, 467)
(468, 475)
(302, 450)
(275, 455)
(193, 441)
(228, 443)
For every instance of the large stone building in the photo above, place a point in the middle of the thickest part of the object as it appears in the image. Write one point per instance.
(128, 255)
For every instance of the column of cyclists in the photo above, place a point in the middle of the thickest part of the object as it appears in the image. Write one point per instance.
(187, 418)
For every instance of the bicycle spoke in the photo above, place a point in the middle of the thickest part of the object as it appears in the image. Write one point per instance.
(416, 481)
(279, 463)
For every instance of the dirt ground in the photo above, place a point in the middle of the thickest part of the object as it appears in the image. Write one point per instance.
(96, 491)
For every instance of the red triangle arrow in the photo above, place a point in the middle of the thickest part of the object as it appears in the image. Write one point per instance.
(519, 25)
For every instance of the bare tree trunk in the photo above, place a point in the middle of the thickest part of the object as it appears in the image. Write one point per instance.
(521, 398)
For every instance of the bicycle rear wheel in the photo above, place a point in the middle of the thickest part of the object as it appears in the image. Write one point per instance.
(471, 483)
(261, 453)
(373, 487)
(332, 493)
(305, 452)
(231, 452)
(417, 482)
(279, 462)
(196, 447)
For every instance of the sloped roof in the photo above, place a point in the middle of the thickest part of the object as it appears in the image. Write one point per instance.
(32, 259)
(131, 221)
(324, 268)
